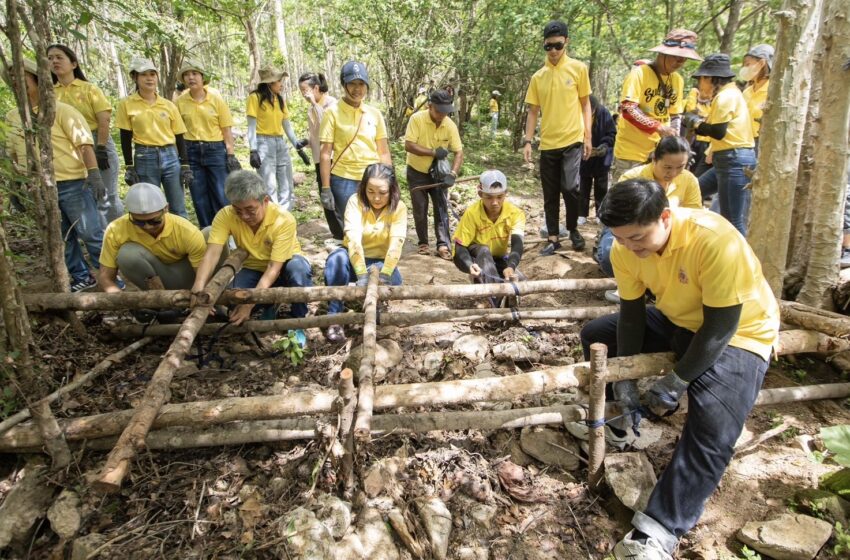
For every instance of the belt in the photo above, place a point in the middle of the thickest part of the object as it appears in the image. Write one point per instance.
(166, 147)
(206, 142)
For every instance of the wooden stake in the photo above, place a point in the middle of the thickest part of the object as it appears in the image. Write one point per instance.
(596, 443)
(346, 436)
(365, 389)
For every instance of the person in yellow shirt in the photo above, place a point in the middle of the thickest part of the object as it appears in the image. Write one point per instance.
(652, 100)
(78, 180)
(699, 105)
(419, 103)
(152, 138)
(267, 232)
(268, 123)
(375, 229)
(756, 73)
(561, 89)
(72, 87)
(430, 136)
(494, 111)
(209, 142)
(353, 136)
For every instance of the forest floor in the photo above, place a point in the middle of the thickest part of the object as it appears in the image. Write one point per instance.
(246, 501)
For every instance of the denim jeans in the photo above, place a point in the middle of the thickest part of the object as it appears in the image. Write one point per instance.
(339, 272)
(559, 177)
(419, 203)
(295, 273)
(719, 402)
(110, 207)
(494, 122)
(160, 165)
(208, 161)
(80, 222)
(334, 224)
(603, 251)
(342, 189)
(734, 198)
(276, 169)
(708, 189)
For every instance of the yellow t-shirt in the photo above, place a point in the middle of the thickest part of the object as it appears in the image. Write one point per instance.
(179, 239)
(494, 106)
(374, 237)
(475, 227)
(422, 130)
(706, 262)
(728, 106)
(756, 98)
(269, 117)
(420, 103)
(557, 90)
(152, 124)
(339, 126)
(85, 97)
(69, 131)
(204, 120)
(683, 190)
(694, 105)
(274, 240)
(641, 86)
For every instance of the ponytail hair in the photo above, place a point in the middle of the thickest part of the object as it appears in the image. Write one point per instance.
(314, 79)
(72, 56)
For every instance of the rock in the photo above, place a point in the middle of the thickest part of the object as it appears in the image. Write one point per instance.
(631, 477)
(825, 503)
(334, 514)
(64, 514)
(472, 346)
(432, 363)
(387, 356)
(28, 500)
(519, 456)
(438, 524)
(375, 537)
(382, 475)
(550, 447)
(482, 516)
(83, 547)
(484, 370)
(306, 537)
(788, 537)
(472, 551)
(516, 351)
(349, 548)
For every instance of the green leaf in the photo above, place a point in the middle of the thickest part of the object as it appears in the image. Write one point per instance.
(85, 18)
(837, 440)
(837, 482)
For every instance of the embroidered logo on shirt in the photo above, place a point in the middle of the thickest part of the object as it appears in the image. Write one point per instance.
(569, 82)
(683, 277)
(267, 242)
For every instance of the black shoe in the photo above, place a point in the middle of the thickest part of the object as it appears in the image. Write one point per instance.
(577, 240)
(144, 316)
(550, 248)
(83, 285)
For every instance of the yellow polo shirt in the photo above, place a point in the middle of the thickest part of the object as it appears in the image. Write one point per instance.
(641, 86)
(179, 239)
(151, 124)
(494, 106)
(204, 120)
(420, 103)
(422, 130)
(706, 262)
(374, 237)
(85, 97)
(269, 117)
(362, 127)
(683, 190)
(729, 106)
(274, 240)
(69, 131)
(556, 90)
(756, 98)
(476, 228)
(693, 105)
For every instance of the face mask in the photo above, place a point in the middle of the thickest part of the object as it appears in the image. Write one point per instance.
(749, 73)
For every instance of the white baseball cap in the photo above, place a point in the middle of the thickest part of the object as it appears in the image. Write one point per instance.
(493, 181)
(144, 198)
(139, 65)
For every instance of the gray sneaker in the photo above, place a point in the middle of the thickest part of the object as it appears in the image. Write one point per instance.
(612, 296)
(845, 258)
(629, 549)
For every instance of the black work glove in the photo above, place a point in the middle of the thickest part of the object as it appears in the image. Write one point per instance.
(186, 176)
(301, 143)
(441, 153)
(233, 163)
(102, 157)
(449, 179)
(691, 120)
(94, 182)
(303, 155)
(130, 176)
(256, 162)
(627, 397)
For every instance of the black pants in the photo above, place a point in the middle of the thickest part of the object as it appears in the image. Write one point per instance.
(419, 202)
(559, 177)
(598, 182)
(719, 401)
(334, 223)
(700, 166)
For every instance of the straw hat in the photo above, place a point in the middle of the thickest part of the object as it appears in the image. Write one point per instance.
(679, 42)
(269, 75)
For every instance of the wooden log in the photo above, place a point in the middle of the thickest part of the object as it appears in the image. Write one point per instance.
(365, 389)
(813, 341)
(346, 435)
(596, 414)
(804, 393)
(827, 322)
(158, 390)
(51, 435)
(841, 293)
(227, 329)
(434, 185)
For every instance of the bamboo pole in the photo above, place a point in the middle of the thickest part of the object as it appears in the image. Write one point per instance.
(365, 389)
(346, 436)
(596, 390)
(833, 324)
(158, 390)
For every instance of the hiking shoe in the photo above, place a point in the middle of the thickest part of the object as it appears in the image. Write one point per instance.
(83, 285)
(335, 333)
(612, 296)
(630, 549)
(845, 258)
(577, 240)
(550, 249)
(581, 432)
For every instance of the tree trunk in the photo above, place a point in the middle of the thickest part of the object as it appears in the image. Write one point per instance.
(780, 145)
(254, 58)
(116, 67)
(726, 43)
(280, 30)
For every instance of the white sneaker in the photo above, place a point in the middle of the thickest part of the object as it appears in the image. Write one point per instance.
(582, 220)
(581, 431)
(629, 549)
(612, 296)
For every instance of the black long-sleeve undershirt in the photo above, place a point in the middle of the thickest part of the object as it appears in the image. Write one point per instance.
(716, 131)
(127, 147)
(516, 251)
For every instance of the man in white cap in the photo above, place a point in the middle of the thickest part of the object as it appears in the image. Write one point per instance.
(152, 248)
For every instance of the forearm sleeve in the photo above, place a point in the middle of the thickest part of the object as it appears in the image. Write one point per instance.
(631, 326)
(252, 133)
(632, 113)
(462, 258)
(716, 131)
(718, 327)
(127, 146)
(393, 255)
(287, 128)
(181, 149)
(516, 251)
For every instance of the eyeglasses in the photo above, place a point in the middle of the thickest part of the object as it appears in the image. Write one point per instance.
(151, 222)
(683, 44)
(554, 46)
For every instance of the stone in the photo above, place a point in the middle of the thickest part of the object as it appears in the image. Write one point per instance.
(631, 477)
(438, 524)
(516, 351)
(482, 516)
(85, 546)
(334, 514)
(472, 346)
(382, 475)
(375, 536)
(64, 515)
(306, 537)
(550, 447)
(432, 363)
(387, 356)
(484, 370)
(519, 456)
(788, 537)
(25, 503)
(473, 551)
(826, 504)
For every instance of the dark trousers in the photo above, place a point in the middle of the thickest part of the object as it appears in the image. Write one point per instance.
(598, 182)
(208, 161)
(719, 401)
(419, 202)
(698, 147)
(330, 215)
(559, 177)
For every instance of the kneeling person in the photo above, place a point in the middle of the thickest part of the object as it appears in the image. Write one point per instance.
(267, 233)
(715, 311)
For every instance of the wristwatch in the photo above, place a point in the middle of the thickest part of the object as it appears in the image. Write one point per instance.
(526, 141)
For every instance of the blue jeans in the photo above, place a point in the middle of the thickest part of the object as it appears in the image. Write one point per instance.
(80, 222)
(296, 273)
(339, 272)
(494, 122)
(209, 168)
(160, 166)
(342, 189)
(110, 207)
(276, 169)
(603, 251)
(733, 197)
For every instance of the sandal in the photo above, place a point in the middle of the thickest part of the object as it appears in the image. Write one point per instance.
(444, 253)
(424, 250)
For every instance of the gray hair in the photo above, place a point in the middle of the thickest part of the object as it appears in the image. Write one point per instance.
(242, 185)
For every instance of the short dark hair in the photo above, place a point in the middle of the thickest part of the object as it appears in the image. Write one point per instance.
(633, 201)
(380, 171)
(671, 145)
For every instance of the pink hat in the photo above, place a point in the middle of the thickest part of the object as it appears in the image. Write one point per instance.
(679, 42)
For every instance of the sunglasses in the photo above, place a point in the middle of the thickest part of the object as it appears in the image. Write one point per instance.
(554, 46)
(151, 222)
(682, 44)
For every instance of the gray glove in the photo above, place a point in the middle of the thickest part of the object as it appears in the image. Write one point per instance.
(441, 153)
(94, 182)
(663, 397)
(327, 198)
(102, 157)
(362, 280)
(384, 279)
(130, 176)
(628, 398)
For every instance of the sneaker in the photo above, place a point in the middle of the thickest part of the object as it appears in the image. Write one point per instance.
(577, 240)
(300, 337)
(612, 296)
(550, 249)
(335, 334)
(630, 549)
(845, 257)
(581, 432)
(143, 316)
(582, 220)
(83, 285)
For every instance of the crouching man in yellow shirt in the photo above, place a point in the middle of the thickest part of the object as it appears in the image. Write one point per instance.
(715, 311)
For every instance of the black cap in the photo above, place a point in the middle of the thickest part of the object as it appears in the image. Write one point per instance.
(555, 28)
(441, 100)
(715, 65)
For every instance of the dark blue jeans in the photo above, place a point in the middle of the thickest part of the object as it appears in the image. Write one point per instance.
(342, 189)
(208, 161)
(296, 273)
(160, 166)
(80, 222)
(732, 195)
(603, 251)
(719, 402)
(339, 272)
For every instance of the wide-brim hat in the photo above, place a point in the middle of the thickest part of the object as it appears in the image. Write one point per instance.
(188, 66)
(679, 42)
(139, 65)
(30, 67)
(270, 75)
(715, 66)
